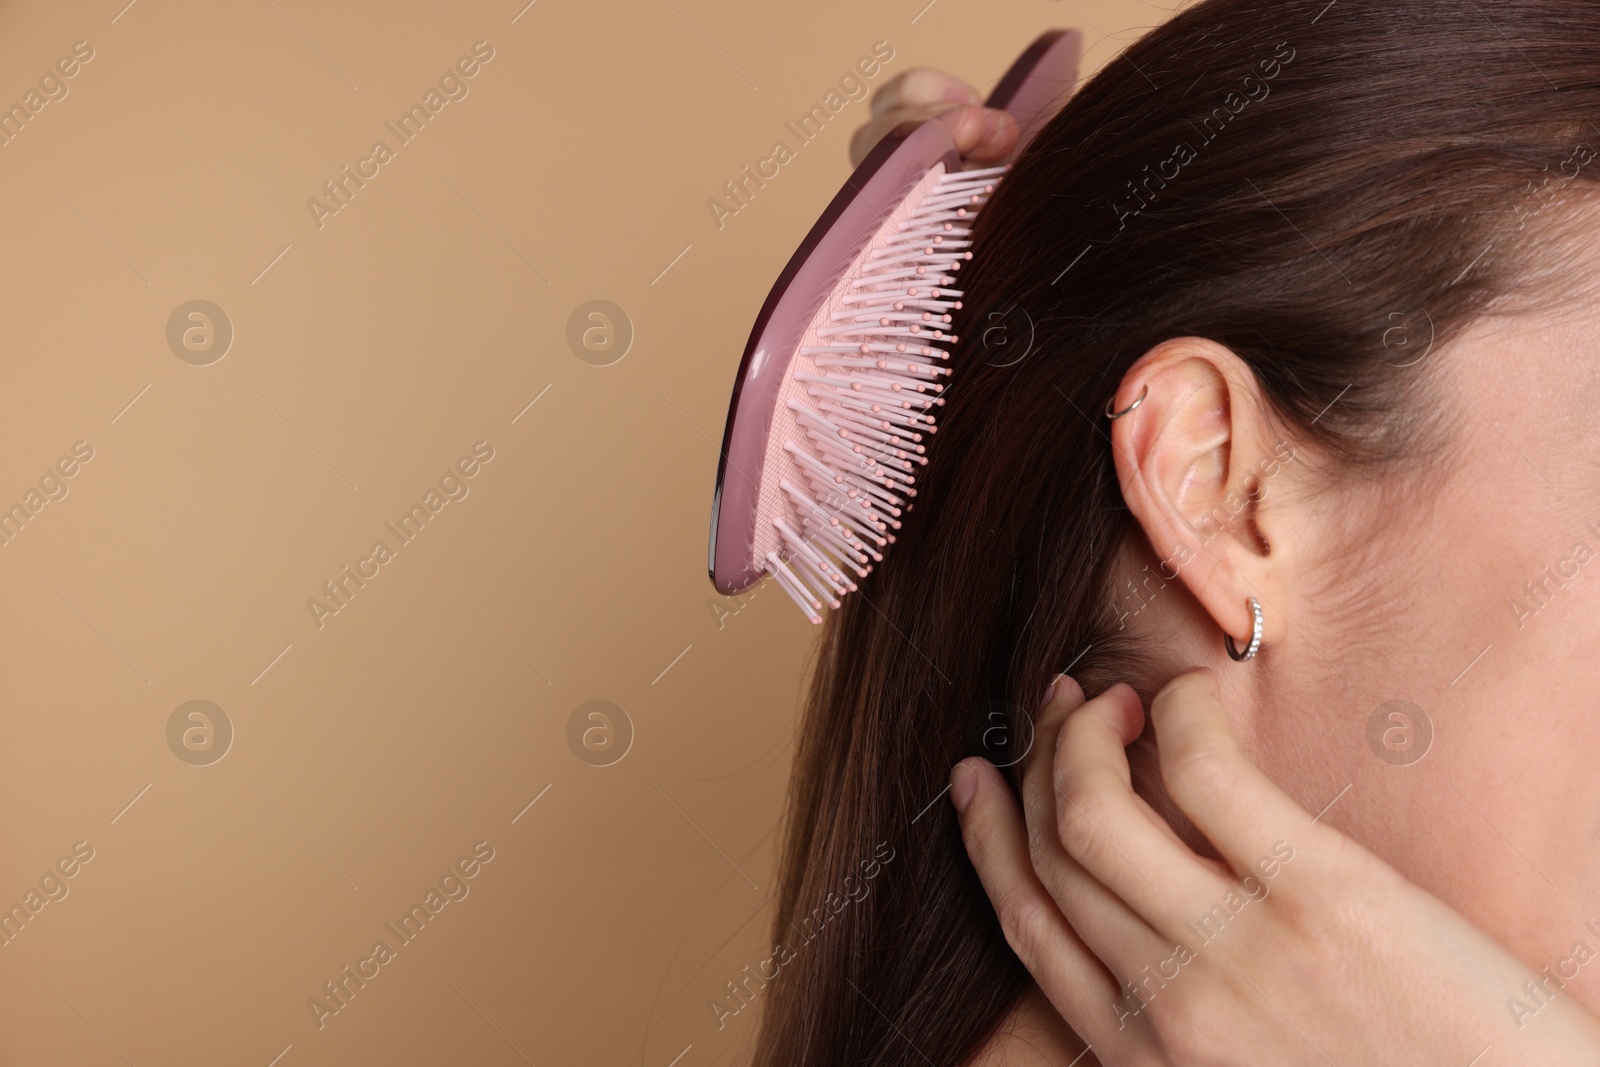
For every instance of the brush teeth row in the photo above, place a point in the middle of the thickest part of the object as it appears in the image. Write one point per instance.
(872, 389)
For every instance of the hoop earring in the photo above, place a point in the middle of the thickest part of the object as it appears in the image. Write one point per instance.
(1118, 414)
(1255, 635)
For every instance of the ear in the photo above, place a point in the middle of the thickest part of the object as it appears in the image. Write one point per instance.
(1195, 459)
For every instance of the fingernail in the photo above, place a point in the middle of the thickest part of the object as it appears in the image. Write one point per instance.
(960, 94)
(963, 783)
(1050, 692)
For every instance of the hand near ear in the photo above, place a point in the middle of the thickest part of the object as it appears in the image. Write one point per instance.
(1299, 947)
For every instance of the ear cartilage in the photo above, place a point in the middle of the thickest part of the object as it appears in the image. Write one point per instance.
(834, 405)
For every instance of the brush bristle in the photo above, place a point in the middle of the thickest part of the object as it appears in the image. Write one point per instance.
(872, 395)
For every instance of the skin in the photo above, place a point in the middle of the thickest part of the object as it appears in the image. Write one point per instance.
(919, 93)
(1314, 952)
(1380, 590)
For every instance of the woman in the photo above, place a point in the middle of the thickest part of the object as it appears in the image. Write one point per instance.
(1329, 265)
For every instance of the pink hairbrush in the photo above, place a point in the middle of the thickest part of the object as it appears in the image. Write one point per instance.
(842, 371)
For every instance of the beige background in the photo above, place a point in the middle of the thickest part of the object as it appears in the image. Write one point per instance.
(369, 354)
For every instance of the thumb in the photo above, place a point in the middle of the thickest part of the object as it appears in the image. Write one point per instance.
(979, 132)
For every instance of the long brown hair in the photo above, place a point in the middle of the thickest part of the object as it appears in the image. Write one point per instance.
(1323, 188)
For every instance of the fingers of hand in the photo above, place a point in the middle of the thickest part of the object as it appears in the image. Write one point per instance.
(921, 85)
(1238, 808)
(1165, 829)
(980, 133)
(865, 137)
(1064, 697)
(1103, 826)
(1116, 934)
(1076, 982)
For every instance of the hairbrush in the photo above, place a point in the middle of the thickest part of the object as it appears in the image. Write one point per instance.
(841, 377)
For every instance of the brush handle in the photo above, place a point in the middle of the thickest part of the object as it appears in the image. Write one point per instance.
(1038, 83)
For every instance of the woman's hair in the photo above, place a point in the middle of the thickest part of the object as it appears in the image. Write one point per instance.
(1325, 189)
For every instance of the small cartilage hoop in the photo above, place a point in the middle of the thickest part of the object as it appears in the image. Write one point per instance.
(1255, 635)
(1118, 414)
